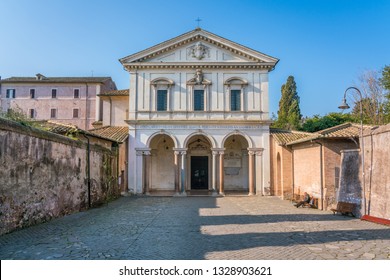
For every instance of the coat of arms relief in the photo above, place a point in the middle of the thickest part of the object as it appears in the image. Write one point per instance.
(199, 51)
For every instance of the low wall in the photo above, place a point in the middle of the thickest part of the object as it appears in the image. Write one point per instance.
(44, 175)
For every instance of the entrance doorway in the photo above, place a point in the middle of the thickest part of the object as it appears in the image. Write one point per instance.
(199, 173)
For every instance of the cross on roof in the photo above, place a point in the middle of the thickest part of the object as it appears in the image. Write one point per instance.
(198, 20)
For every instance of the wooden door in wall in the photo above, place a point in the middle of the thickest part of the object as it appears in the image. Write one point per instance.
(199, 172)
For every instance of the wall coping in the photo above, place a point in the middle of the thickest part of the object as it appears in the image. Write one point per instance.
(16, 127)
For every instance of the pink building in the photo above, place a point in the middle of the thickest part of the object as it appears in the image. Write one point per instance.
(72, 100)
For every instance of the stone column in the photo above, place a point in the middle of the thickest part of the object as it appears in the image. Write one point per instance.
(251, 157)
(214, 172)
(221, 172)
(177, 172)
(146, 169)
(183, 173)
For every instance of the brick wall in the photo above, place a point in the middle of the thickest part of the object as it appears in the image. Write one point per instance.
(307, 169)
(377, 171)
(44, 175)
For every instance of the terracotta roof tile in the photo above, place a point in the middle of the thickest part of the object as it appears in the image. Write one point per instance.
(285, 136)
(345, 130)
(122, 92)
(115, 133)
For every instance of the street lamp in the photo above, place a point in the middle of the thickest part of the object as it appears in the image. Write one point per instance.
(343, 106)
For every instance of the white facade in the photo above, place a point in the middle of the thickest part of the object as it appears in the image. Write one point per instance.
(199, 116)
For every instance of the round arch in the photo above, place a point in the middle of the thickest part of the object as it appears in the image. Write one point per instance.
(247, 138)
(174, 139)
(208, 136)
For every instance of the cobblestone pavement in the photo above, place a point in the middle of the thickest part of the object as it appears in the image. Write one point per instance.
(199, 228)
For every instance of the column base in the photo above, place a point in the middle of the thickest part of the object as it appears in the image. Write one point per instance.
(251, 194)
(214, 193)
(221, 194)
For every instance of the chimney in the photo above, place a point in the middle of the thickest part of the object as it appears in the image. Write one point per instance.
(39, 77)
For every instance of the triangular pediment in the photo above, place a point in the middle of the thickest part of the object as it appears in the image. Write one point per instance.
(198, 46)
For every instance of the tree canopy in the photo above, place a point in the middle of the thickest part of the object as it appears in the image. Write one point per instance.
(289, 114)
(318, 122)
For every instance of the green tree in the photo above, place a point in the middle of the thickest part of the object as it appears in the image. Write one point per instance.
(289, 114)
(318, 122)
(16, 114)
(385, 82)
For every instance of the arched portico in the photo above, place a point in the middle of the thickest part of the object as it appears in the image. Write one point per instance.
(160, 164)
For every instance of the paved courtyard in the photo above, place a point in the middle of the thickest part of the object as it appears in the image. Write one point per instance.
(199, 228)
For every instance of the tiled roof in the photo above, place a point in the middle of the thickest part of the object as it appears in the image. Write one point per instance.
(122, 92)
(115, 133)
(58, 128)
(55, 80)
(282, 137)
(345, 130)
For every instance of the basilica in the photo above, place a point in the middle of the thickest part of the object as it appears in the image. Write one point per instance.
(198, 117)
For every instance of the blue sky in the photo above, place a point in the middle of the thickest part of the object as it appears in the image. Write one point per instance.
(325, 45)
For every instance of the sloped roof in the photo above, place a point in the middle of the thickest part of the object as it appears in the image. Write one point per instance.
(193, 36)
(68, 129)
(55, 80)
(345, 130)
(282, 136)
(56, 127)
(122, 92)
(115, 133)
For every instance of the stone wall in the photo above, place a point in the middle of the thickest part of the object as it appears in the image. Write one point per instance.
(44, 175)
(350, 188)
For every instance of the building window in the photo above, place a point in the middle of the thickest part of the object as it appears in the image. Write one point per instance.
(10, 93)
(53, 113)
(198, 100)
(76, 93)
(162, 87)
(236, 90)
(32, 113)
(32, 93)
(53, 93)
(75, 113)
(235, 100)
(162, 98)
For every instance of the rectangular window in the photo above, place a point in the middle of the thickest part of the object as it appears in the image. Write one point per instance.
(235, 100)
(162, 100)
(76, 93)
(53, 113)
(198, 100)
(75, 113)
(32, 93)
(10, 93)
(32, 113)
(53, 93)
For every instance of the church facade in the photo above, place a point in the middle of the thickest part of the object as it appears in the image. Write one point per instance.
(199, 117)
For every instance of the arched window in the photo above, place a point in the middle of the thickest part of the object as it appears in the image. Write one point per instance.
(235, 87)
(162, 88)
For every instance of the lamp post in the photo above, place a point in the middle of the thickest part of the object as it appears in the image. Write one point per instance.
(343, 106)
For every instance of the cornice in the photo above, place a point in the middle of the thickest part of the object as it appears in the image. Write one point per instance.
(198, 122)
(199, 65)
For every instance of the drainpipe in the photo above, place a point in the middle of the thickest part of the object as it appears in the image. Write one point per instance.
(88, 169)
(321, 173)
(293, 171)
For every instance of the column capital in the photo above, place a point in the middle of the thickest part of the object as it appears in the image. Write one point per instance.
(143, 151)
(255, 151)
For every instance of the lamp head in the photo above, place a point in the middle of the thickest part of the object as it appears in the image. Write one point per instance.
(344, 105)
